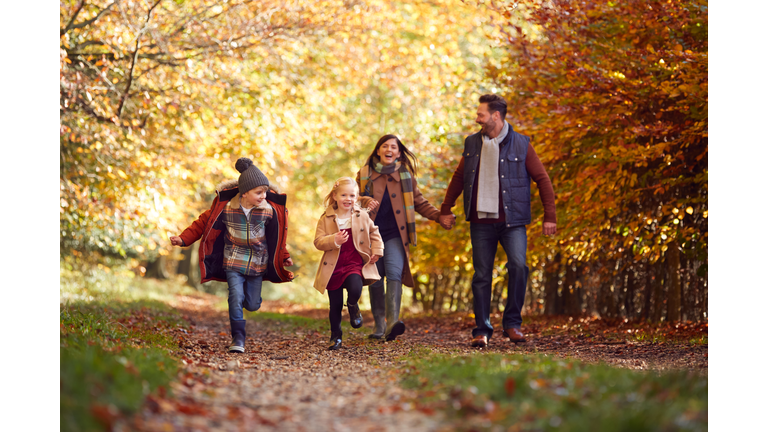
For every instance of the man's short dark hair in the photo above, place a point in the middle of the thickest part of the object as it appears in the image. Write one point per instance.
(495, 103)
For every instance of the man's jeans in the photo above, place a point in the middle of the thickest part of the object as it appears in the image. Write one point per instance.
(485, 240)
(244, 292)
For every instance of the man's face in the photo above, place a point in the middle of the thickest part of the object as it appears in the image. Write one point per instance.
(485, 119)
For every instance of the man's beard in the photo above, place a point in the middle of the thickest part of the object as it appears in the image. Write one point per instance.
(487, 127)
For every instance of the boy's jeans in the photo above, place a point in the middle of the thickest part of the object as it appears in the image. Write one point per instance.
(244, 292)
(485, 240)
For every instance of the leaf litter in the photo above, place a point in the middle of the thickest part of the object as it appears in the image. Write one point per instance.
(287, 380)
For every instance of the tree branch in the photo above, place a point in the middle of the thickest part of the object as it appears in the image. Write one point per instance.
(133, 60)
(90, 21)
(63, 31)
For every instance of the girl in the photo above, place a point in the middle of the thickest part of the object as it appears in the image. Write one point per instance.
(352, 245)
(389, 177)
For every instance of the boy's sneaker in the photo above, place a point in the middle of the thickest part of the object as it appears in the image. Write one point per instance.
(236, 346)
(238, 336)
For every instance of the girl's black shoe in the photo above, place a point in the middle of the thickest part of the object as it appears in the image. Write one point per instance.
(336, 344)
(355, 317)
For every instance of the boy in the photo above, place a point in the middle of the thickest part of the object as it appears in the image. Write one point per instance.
(243, 241)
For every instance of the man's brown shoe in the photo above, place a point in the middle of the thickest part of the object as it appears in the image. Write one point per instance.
(479, 341)
(515, 335)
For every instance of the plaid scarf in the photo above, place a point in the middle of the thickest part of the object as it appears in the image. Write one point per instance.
(406, 184)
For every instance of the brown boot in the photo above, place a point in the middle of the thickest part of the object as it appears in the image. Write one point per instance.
(515, 335)
(479, 341)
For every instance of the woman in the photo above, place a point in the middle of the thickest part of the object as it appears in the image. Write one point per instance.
(389, 177)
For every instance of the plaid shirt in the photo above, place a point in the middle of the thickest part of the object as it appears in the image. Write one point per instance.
(245, 245)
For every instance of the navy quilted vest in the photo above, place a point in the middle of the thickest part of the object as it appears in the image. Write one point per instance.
(515, 181)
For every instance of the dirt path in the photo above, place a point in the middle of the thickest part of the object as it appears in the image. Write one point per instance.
(287, 380)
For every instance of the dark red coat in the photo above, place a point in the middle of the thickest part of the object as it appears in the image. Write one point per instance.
(211, 229)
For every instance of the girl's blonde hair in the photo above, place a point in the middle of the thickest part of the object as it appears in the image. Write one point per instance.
(343, 181)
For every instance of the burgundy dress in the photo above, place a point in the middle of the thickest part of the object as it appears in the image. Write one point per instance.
(350, 262)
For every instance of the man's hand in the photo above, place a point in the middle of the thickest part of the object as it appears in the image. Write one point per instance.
(288, 262)
(340, 237)
(176, 241)
(374, 259)
(447, 221)
(550, 228)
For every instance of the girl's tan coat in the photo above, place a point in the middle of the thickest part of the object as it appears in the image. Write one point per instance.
(365, 237)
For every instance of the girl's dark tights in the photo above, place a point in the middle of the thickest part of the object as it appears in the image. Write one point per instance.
(354, 285)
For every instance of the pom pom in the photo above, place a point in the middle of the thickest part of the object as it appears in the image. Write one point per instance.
(242, 164)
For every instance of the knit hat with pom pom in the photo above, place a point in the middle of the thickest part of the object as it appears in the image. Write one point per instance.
(250, 176)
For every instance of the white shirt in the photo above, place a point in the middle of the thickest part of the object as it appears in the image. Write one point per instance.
(343, 223)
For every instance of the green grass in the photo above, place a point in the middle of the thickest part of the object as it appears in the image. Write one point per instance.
(111, 357)
(95, 283)
(702, 340)
(116, 339)
(290, 324)
(537, 392)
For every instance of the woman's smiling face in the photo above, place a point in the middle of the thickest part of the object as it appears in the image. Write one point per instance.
(388, 152)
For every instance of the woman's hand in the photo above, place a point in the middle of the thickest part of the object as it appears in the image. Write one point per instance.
(374, 259)
(176, 241)
(447, 221)
(340, 237)
(372, 205)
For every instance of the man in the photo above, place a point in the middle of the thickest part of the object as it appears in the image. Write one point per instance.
(495, 175)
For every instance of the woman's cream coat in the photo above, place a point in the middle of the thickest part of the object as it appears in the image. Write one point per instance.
(365, 237)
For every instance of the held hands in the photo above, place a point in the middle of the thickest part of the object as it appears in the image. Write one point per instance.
(341, 237)
(374, 259)
(447, 221)
(550, 228)
(176, 241)
(372, 205)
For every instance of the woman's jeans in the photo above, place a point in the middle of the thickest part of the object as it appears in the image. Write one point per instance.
(386, 309)
(485, 240)
(244, 292)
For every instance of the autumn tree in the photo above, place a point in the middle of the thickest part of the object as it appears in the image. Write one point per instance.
(615, 98)
(158, 99)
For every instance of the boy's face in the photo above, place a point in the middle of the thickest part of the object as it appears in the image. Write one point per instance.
(254, 197)
(346, 196)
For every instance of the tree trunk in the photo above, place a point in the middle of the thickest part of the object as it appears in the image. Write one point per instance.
(673, 287)
(658, 292)
(156, 268)
(571, 301)
(647, 291)
(189, 266)
(551, 272)
(686, 299)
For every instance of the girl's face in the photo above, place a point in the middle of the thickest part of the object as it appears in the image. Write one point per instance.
(346, 196)
(254, 197)
(388, 152)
